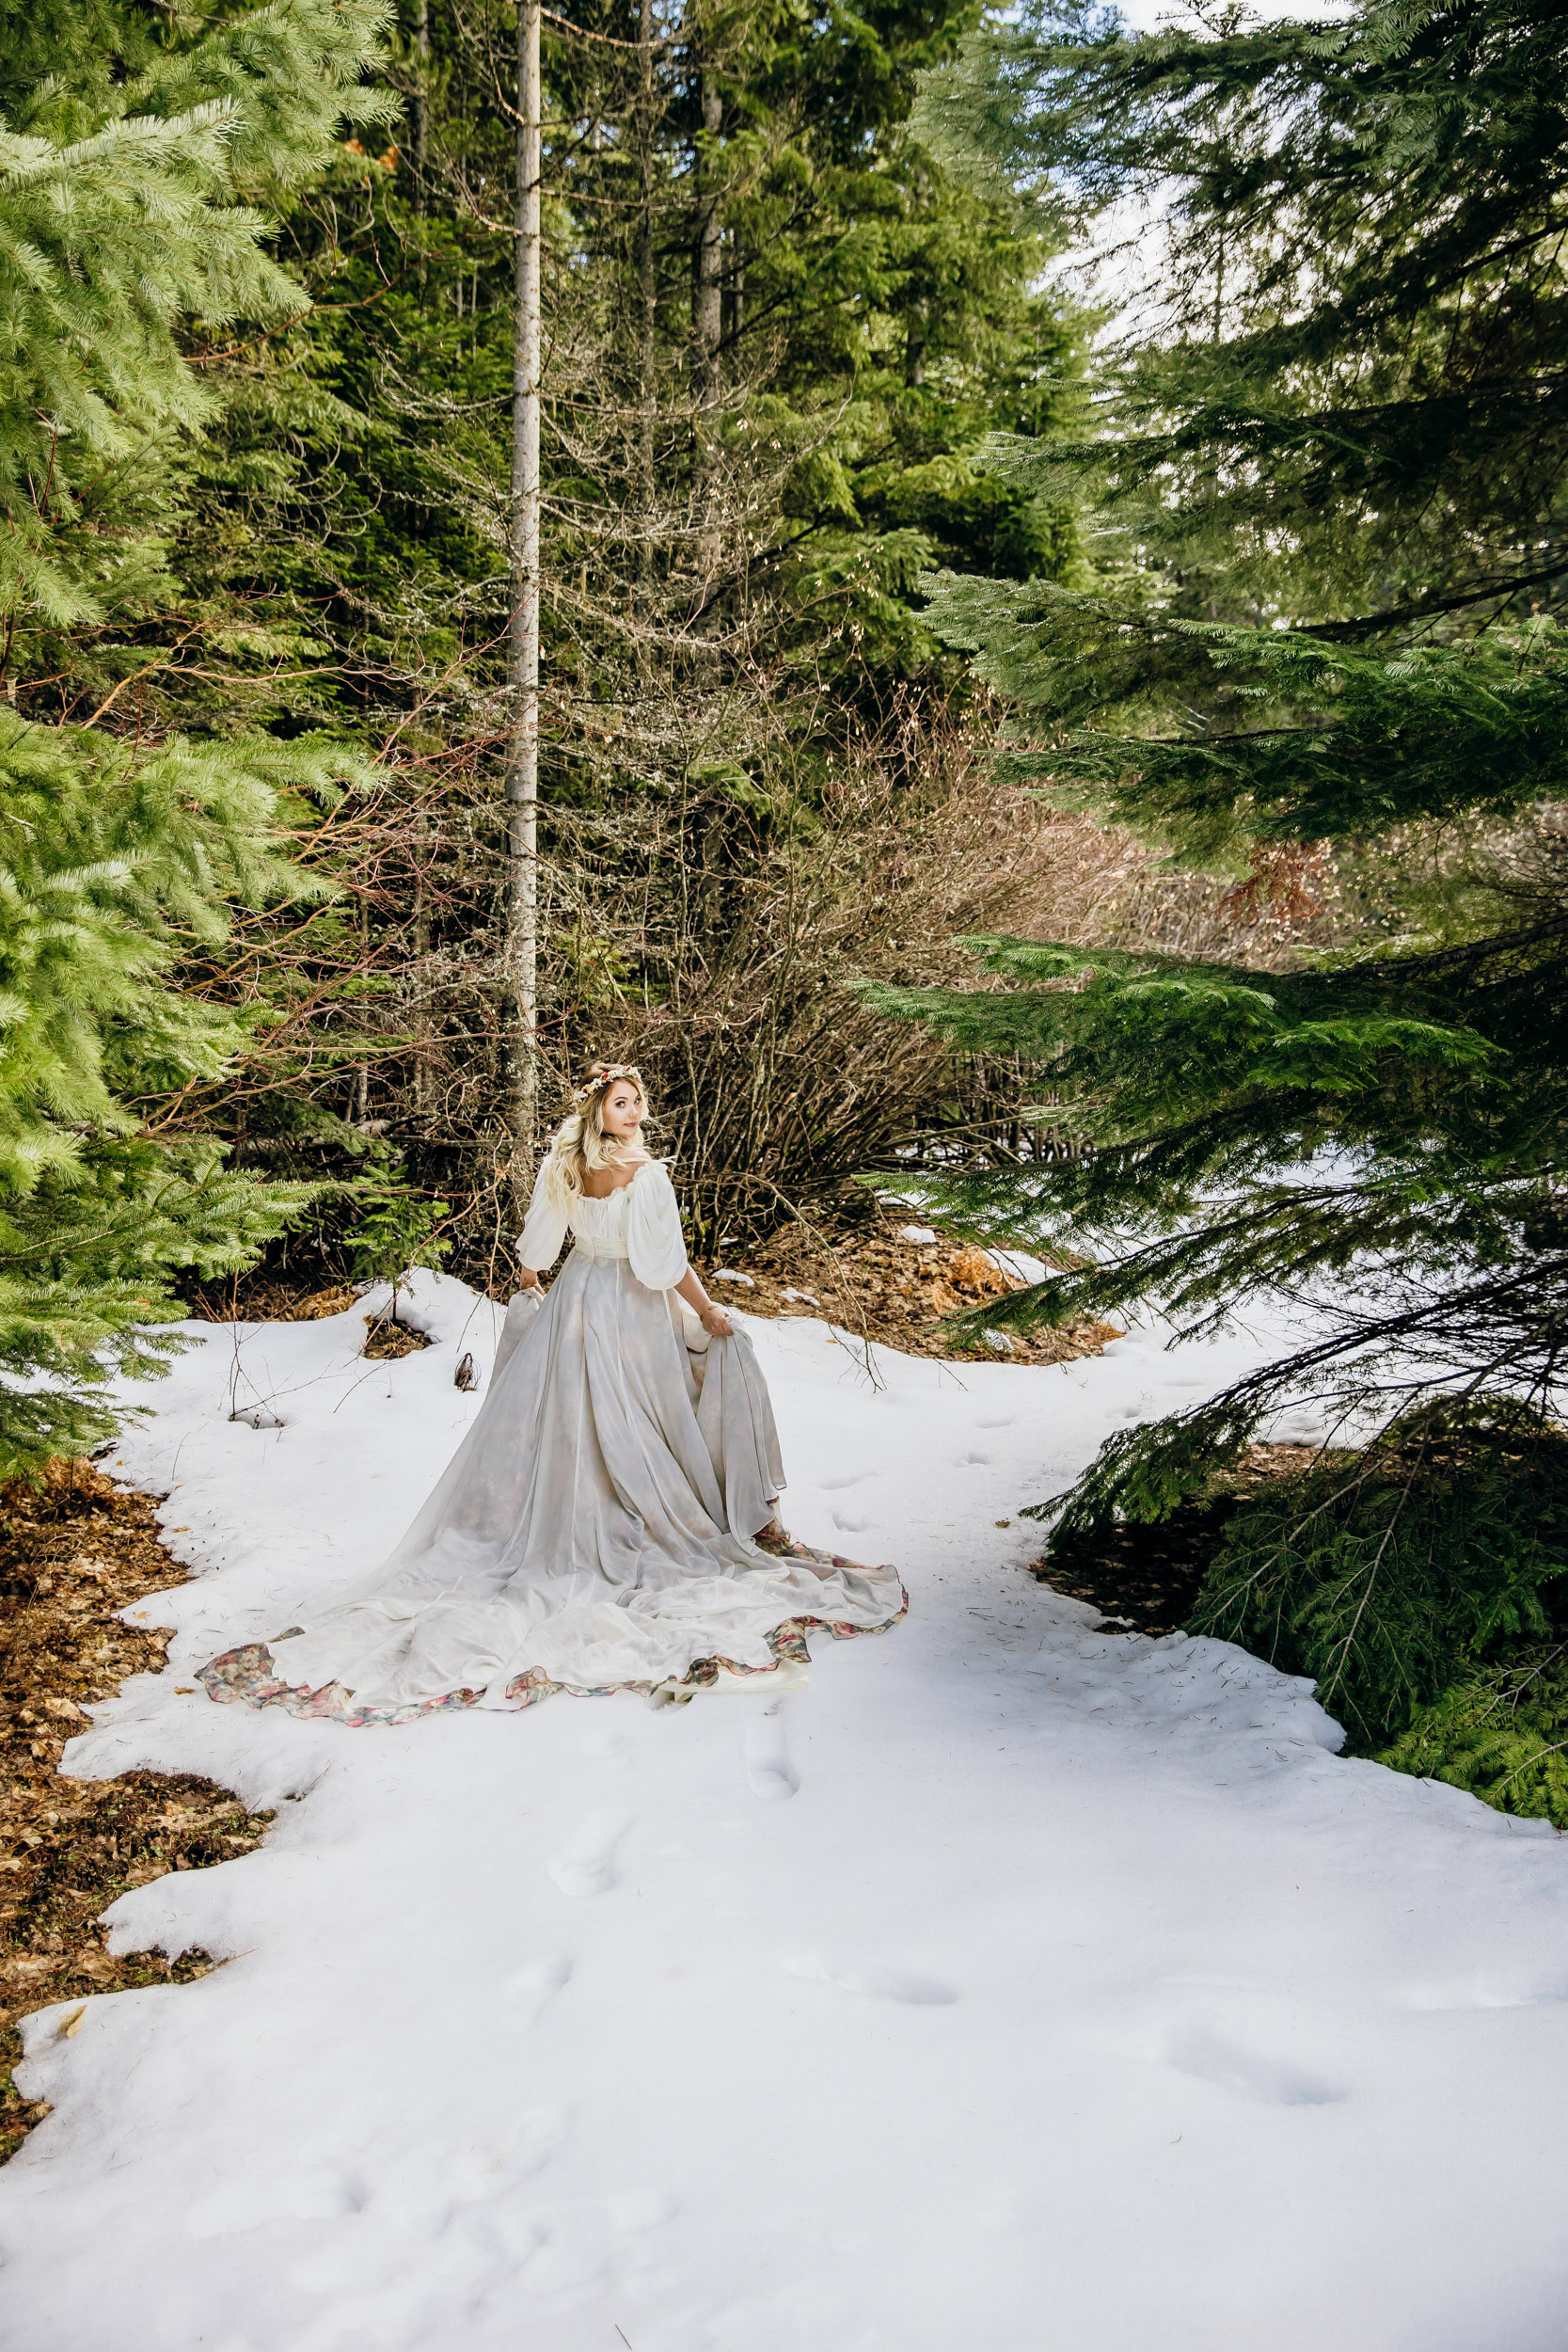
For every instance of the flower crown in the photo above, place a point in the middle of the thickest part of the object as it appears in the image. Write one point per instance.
(604, 1075)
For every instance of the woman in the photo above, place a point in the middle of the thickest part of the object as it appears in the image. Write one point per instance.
(611, 1520)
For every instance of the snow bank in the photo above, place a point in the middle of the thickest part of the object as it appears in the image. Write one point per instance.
(1022, 1986)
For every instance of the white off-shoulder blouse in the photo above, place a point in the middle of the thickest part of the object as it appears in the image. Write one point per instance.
(639, 1221)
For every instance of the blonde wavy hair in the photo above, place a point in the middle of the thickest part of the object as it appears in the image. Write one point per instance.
(579, 1144)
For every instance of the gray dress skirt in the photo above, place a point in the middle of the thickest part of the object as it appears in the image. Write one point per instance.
(595, 1529)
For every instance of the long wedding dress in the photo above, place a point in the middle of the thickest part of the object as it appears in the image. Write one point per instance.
(594, 1531)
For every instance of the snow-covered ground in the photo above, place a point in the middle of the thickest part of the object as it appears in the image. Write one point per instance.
(1019, 1987)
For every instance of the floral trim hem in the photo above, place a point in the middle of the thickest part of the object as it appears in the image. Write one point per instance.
(250, 1672)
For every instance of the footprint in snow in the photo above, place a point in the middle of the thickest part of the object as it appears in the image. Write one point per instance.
(880, 1979)
(587, 1866)
(972, 1461)
(312, 2192)
(1201, 2050)
(641, 2208)
(606, 1745)
(851, 1522)
(359, 2261)
(768, 1766)
(529, 1989)
(836, 1486)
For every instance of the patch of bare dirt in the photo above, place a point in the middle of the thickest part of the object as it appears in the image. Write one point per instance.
(387, 1340)
(1149, 1572)
(71, 1555)
(878, 1285)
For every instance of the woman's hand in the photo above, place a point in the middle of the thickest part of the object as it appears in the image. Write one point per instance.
(714, 1322)
(526, 1278)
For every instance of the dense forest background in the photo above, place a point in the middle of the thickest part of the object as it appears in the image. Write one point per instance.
(775, 332)
(1103, 754)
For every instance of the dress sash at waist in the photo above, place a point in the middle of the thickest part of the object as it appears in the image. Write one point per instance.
(604, 1252)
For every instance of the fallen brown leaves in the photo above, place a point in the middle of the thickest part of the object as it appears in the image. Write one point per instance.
(387, 1340)
(873, 1282)
(71, 1556)
(251, 1300)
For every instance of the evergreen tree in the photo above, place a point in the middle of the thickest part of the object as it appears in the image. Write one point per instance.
(748, 459)
(134, 167)
(1325, 484)
(137, 156)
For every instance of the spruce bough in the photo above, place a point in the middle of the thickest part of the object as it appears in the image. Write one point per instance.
(139, 154)
(1327, 493)
(115, 863)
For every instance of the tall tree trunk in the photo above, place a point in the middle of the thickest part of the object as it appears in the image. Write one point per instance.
(707, 320)
(916, 330)
(706, 309)
(647, 323)
(522, 778)
(422, 104)
(420, 1026)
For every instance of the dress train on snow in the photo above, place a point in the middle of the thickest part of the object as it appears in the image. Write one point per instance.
(596, 1530)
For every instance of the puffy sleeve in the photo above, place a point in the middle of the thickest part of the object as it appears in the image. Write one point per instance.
(655, 1243)
(545, 1229)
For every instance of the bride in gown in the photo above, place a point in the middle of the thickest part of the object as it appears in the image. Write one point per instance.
(610, 1521)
